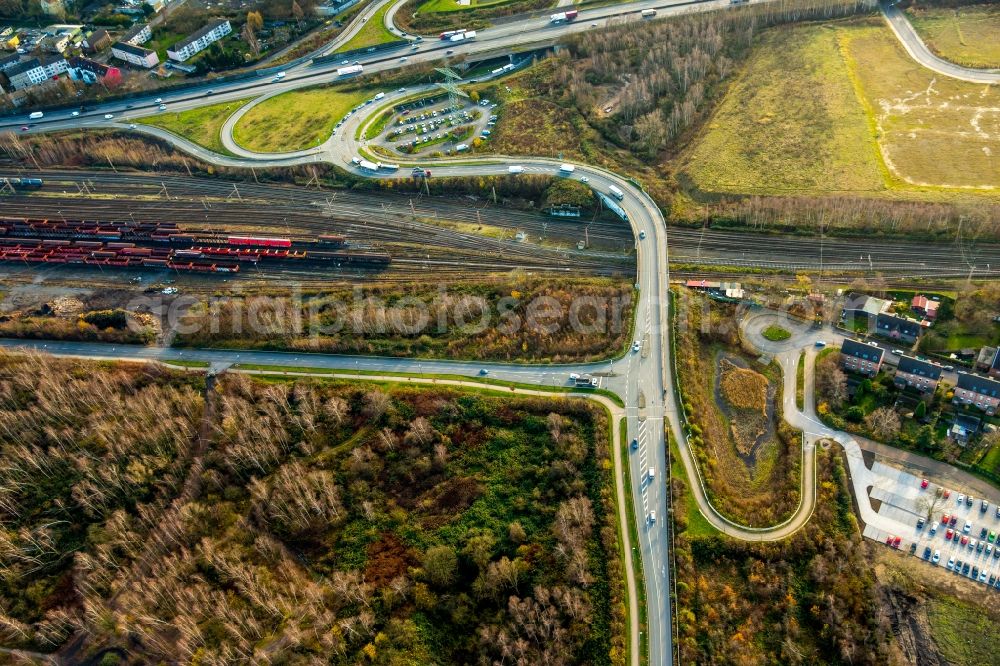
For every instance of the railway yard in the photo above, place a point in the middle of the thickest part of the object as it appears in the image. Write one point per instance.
(411, 234)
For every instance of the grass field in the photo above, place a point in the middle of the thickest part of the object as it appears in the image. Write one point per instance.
(775, 333)
(454, 6)
(802, 130)
(295, 120)
(373, 33)
(202, 125)
(850, 113)
(965, 35)
(963, 633)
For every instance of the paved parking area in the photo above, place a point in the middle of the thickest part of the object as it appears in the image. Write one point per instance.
(440, 126)
(902, 502)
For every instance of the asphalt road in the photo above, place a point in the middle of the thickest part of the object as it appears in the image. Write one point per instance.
(918, 50)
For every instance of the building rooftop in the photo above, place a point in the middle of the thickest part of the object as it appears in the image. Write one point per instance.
(862, 350)
(977, 384)
(22, 67)
(915, 366)
(198, 34)
(140, 51)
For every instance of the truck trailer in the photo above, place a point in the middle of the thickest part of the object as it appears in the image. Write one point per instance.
(564, 17)
(350, 70)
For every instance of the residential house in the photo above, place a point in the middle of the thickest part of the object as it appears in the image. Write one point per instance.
(982, 392)
(89, 71)
(863, 308)
(963, 428)
(8, 61)
(925, 307)
(920, 375)
(138, 34)
(994, 368)
(985, 359)
(895, 327)
(135, 55)
(11, 41)
(199, 40)
(860, 357)
(55, 43)
(34, 71)
(97, 41)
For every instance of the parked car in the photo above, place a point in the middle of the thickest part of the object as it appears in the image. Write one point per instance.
(961, 498)
(953, 520)
(985, 505)
(937, 556)
(969, 500)
(934, 527)
(920, 523)
(924, 483)
(927, 552)
(968, 526)
(965, 540)
(982, 533)
(951, 563)
(945, 518)
(949, 534)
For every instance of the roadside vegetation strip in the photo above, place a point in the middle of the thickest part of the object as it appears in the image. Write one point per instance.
(296, 120)
(486, 383)
(966, 36)
(776, 333)
(372, 33)
(202, 126)
(800, 382)
(696, 523)
(634, 542)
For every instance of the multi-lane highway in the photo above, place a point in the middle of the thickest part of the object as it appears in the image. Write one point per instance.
(643, 379)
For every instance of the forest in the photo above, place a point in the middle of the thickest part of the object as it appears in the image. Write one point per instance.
(156, 516)
(810, 599)
(557, 320)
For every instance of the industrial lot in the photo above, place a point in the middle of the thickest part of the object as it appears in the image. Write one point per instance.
(473, 341)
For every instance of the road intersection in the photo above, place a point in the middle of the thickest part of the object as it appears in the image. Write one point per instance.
(645, 381)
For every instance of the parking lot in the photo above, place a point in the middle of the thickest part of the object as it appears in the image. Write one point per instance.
(424, 127)
(974, 528)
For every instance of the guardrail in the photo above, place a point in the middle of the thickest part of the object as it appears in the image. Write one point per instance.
(364, 50)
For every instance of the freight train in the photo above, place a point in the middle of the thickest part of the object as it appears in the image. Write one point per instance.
(167, 245)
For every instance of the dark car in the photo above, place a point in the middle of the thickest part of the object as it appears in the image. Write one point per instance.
(993, 579)
(965, 569)
(983, 532)
(920, 523)
(975, 572)
(953, 520)
(979, 547)
(927, 552)
(913, 548)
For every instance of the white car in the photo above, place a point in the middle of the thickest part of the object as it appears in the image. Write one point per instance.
(163, 107)
(573, 376)
(636, 346)
(651, 473)
(403, 59)
(109, 116)
(75, 114)
(132, 126)
(968, 526)
(401, 90)
(652, 516)
(937, 557)
(642, 235)
(584, 179)
(951, 563)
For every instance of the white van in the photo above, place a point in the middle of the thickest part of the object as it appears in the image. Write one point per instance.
(35, 115)
(651, 473)
(379, 96)
(515, 169)
(616, 193)
(567, 168)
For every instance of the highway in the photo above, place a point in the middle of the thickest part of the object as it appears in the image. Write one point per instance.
(643, 379)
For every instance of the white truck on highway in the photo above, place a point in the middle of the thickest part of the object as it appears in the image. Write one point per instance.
(648, 13)
(563, 17)
(463, 36)
(616, 192)
(350, 70)
(566, 169)
(515, 169)
(35, 115)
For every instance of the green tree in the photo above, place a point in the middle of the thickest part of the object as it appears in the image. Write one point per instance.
(921, 410)
(439, 564)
